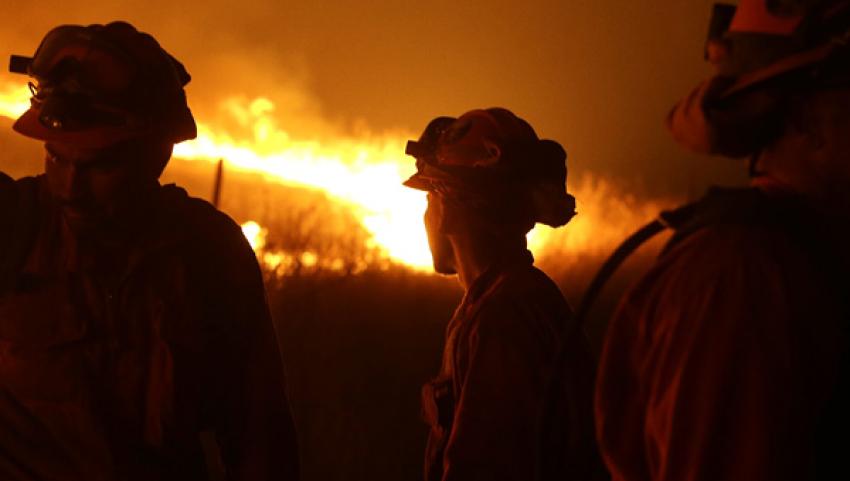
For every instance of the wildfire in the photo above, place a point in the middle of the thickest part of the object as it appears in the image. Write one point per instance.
(255, 234)
(365, 174)
(279, 262)
(14, 100)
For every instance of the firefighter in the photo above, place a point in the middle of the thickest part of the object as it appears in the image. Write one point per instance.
(728, 360)
(512, 400)
(135, 338)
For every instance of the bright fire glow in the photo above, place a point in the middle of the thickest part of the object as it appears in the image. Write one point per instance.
(255, 234)
(14, 100)
(365, 174)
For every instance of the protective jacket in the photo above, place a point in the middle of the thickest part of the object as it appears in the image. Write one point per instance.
(728, 360)
(115, 374)
(513, 397)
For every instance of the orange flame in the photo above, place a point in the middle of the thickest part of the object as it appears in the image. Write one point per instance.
(279, 263)
(14, 100)
(366, 175)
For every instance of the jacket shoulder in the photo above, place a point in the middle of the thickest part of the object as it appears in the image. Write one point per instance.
(8, 193)
(212, 242)
(203, 224)
(11, 188)
(530, 287)
(18, 199)
(19, 222)
(717, 249)
(524, 301)
(727, 273)
(533, 279)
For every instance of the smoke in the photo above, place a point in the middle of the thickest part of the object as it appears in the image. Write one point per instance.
(596, 76)
(335, 80)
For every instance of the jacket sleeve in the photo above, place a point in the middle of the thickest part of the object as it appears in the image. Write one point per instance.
(8, 204)
(7, 194)
(251, 413)
(496, 433)
(717, 367)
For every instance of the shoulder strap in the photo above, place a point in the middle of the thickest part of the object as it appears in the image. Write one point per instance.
(665, 220)
(718, 206)
(18, 215)
(626, 249)
(751, 206)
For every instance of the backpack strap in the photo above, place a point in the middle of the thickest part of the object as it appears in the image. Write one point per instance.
(665, 220)
(720, 205)
(603, 275)
(18, 226)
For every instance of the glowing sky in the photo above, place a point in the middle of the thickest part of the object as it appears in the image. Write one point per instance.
(598, 76)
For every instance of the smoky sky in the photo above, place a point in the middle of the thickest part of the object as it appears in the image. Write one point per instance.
(597, 76)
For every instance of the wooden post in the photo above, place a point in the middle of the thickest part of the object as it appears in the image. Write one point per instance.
(216, 196)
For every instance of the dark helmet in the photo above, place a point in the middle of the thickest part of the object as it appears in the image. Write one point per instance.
(493, 154)
(771, 49)
(424, 151)
(97, 85)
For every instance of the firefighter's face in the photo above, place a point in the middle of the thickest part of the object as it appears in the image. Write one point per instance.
(833, 130)
(825, 148)
(93, 187)
(442, 251)
(812, 157)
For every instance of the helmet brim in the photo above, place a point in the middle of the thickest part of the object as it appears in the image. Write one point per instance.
(97, 137)
(779, 68)
(419, 182)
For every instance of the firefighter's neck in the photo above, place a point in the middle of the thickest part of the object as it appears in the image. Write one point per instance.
(799, 166)
(108, 245)
(823, 181)
(810, 157)
(476, 254)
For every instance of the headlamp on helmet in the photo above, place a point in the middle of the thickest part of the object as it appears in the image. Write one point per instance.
(100, 84)
(492, 157)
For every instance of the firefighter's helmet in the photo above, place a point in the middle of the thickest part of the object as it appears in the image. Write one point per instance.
(493, 154)
(97, 85)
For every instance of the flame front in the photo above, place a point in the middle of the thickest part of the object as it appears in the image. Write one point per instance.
(366, 174)
(14, 100)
